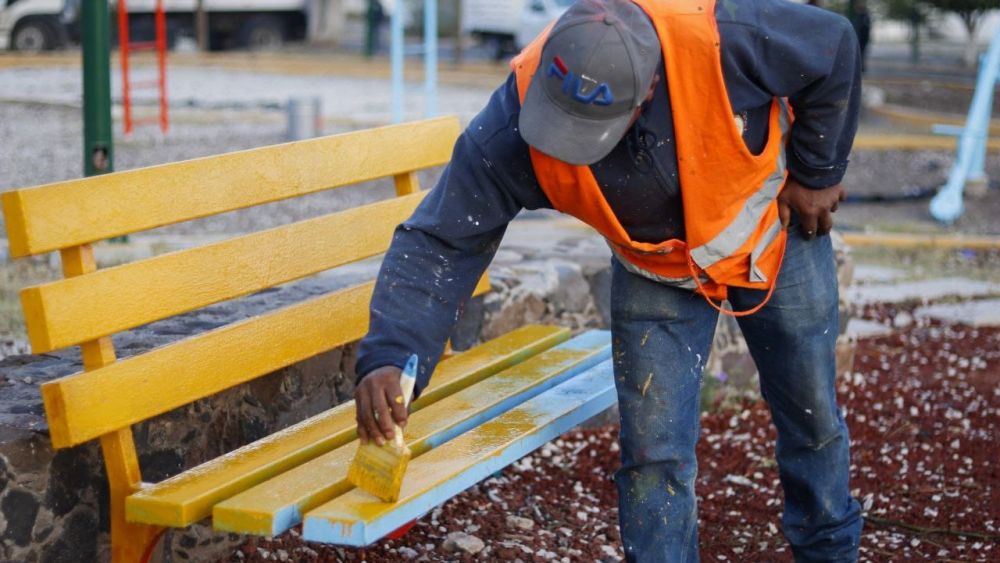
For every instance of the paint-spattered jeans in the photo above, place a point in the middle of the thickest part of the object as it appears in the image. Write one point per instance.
(662, 338)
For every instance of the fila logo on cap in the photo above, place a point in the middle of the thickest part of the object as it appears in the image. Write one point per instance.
(600, 94)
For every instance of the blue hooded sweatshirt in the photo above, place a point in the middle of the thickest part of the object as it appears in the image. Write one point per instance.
(770, 48)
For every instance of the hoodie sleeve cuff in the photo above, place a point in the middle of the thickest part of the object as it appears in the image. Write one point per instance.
(371, 363)
(814, 177)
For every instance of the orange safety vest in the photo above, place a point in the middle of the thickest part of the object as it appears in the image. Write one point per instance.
(734, 236)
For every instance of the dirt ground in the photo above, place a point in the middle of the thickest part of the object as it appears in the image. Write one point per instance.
(923, 407)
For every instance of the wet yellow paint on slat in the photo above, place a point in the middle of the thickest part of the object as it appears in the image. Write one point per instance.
(276, 505)
(189, 497)
(86, 405)
(357, 518)
(71, 213)
(74, 310)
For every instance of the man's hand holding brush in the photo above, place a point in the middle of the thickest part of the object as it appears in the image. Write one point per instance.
(379, 393)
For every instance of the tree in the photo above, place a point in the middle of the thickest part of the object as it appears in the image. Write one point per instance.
(912, 12)
(971, 12)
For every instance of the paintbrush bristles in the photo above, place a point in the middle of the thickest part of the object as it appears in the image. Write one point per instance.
(379, 470)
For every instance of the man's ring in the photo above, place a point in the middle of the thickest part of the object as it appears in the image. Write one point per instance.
(809, 232)
(399, 399)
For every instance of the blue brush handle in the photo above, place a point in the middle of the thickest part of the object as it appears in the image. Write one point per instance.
(408, 378)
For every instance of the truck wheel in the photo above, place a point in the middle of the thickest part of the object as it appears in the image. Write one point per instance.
(500, 45)
(497, 46)
(262, 33)
(33, 36)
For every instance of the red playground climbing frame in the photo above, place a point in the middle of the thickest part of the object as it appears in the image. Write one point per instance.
(159, 45)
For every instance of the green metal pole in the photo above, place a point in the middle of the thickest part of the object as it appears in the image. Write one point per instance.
(372, 17)
(98, 146)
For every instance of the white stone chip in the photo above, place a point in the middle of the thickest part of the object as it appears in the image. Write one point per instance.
(863, 328)
(974, 313)
(921, 290)
(460, 541)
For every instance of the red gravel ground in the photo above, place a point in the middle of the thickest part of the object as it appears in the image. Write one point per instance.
(923, 406)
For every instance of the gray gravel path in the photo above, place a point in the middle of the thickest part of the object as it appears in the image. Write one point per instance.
(41, 143)
(353, 99)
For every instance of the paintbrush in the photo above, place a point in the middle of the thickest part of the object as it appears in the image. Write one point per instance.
(379, 469)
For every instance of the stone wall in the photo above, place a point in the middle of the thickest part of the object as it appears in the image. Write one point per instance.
(53, 504)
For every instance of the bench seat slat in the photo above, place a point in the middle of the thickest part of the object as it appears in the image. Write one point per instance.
(84, 406)
(278, 504)
(76, 212)
(74, 310)
(189, 497)
(358, 519)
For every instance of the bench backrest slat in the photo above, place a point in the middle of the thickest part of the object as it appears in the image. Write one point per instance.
(90, 305)
(82, 308)
(86, 405)
(77, 212)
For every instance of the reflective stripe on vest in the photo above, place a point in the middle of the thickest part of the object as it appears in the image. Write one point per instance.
(685, 282)
(743, 226)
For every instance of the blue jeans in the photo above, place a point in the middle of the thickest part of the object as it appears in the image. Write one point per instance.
(661, 340)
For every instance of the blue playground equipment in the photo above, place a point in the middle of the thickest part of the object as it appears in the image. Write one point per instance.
(430, 52)
(946, 206)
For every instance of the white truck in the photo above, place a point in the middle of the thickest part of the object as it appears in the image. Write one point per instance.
(35, 25)
(508, 26)
(32, 25)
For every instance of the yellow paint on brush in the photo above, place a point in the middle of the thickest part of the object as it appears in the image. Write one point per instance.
(269, 507)
(75, 212)
(70, 311)
(379, 470)
(189, 497)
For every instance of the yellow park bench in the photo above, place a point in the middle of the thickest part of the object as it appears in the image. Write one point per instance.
(485, 407)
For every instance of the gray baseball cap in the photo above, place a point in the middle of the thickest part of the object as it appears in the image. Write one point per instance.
(596, 68)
